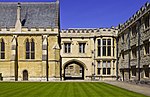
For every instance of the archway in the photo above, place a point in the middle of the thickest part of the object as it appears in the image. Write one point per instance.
(25, 75)
(74, 70)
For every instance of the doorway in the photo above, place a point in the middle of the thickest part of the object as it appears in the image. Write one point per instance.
(25, 75)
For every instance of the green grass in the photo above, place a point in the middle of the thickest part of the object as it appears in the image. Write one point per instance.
(63, 89)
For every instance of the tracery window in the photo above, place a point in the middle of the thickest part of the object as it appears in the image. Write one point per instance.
(30, 49)
(2, 49)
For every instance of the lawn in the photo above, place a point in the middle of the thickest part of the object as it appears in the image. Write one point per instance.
(63, 89)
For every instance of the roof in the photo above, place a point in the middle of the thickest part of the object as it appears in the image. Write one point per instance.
(33, 14)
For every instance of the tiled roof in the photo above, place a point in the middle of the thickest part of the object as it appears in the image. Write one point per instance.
(35, 14)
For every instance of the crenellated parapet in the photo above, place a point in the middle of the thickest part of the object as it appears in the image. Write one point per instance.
(89, 32)
(140, 13)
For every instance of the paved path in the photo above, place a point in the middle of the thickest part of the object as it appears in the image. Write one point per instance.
(135, 88)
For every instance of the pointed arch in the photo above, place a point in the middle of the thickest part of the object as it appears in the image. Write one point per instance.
(2, 49)
(27, 45)
(32, 48)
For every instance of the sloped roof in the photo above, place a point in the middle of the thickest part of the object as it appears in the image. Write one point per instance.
(33, 14)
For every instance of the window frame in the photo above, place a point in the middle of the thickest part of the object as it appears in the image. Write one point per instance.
(134, 30)
(133, 70)
(146, 21)
(67, 47)
(30, 49)
(109, 47)
(106, 70)
(146, 47)
(99, 47)
(146, 71)
(134, 52)
(104, 47)
(2, 49)
(82, 47)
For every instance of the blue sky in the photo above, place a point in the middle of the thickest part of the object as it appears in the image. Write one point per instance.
(94, 13)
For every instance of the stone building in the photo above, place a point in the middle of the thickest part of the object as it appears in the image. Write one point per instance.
(29, 41)
(89, 53)
(134, 46)
(32, 46)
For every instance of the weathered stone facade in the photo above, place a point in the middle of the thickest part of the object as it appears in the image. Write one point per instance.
(33, 48)
(85, 53)
(134, 46)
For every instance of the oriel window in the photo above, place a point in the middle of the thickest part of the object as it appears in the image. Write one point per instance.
(99, 47)
(98, 68)
(104, 47)
(109, 47)
(106, 67)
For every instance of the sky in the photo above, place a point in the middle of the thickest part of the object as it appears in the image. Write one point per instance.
(94, 13)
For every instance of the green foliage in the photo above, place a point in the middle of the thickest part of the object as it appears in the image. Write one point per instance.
(63, 89)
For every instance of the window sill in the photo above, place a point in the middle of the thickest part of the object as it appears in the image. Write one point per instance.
(145, 30)
(82, 53)
(67, 53)
(145, 55)
(146, 78)
(2, 60)
(133, 37)
(133, 59)
(30, 60)
(106, 75)
(133, 76)
(123, 43)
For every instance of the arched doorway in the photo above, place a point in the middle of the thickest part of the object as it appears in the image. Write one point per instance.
(74, 70)
(25, 75)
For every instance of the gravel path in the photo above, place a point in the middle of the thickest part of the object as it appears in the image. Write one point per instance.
(132, 87)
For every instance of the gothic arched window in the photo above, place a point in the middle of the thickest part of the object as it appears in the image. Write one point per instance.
(27, 49)
(30, 49)
(2, 49)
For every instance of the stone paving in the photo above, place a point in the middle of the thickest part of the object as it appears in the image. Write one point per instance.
(132, 87)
